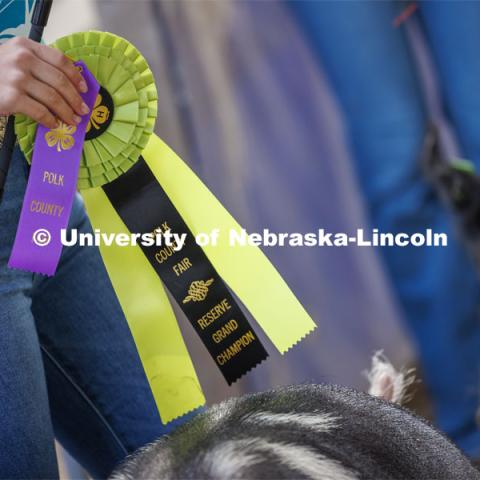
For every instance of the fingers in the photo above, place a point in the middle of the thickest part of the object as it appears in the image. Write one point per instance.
(57, 80)
(36, 111)
(41, 83)
(48, 96)
(62, 63)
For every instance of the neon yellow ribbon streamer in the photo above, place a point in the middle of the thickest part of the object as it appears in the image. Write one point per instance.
(149, 314)
(246, 270)
(124, 73)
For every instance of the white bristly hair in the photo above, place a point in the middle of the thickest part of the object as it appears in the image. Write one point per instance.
(319, 422)
(386, 382)
(231, 458)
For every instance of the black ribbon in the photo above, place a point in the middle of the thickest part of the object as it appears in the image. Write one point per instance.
(192, 280)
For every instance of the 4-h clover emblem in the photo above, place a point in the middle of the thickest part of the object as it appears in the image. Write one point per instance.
(100, 114)
(61, 137)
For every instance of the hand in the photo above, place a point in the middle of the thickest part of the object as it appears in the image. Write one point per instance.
(41, 83)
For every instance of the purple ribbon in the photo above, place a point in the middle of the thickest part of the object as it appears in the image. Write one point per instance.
(50, 190)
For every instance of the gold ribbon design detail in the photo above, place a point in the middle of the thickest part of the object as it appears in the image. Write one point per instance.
(198, 291)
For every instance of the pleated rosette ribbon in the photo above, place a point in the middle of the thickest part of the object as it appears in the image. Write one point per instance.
(134, 183)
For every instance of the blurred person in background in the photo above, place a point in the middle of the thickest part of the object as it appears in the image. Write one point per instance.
(272, 152)
(373, 74)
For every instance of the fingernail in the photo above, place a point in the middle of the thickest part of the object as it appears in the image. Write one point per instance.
(77, 119)
(84, 108)
(83, 87)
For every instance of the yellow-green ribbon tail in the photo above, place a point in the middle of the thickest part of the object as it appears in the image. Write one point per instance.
(149, 314)
(245, 269)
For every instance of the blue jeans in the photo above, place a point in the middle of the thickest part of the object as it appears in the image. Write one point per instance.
(374, 78)
(68, 364)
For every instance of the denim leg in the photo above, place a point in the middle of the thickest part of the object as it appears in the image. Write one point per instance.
(453, 29)
(374, 78)
(101, 402)
(26, 433)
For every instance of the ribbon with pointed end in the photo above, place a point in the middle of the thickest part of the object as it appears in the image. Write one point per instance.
(132, 182)
(50, 191)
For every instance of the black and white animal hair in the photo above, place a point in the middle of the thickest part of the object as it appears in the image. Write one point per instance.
(303, 432)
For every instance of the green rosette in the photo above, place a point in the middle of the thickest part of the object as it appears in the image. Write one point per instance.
(125, 112)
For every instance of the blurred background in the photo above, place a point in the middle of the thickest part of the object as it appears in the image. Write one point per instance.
(262, 114)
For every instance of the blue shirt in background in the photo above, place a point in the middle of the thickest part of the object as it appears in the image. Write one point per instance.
(15, 18)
